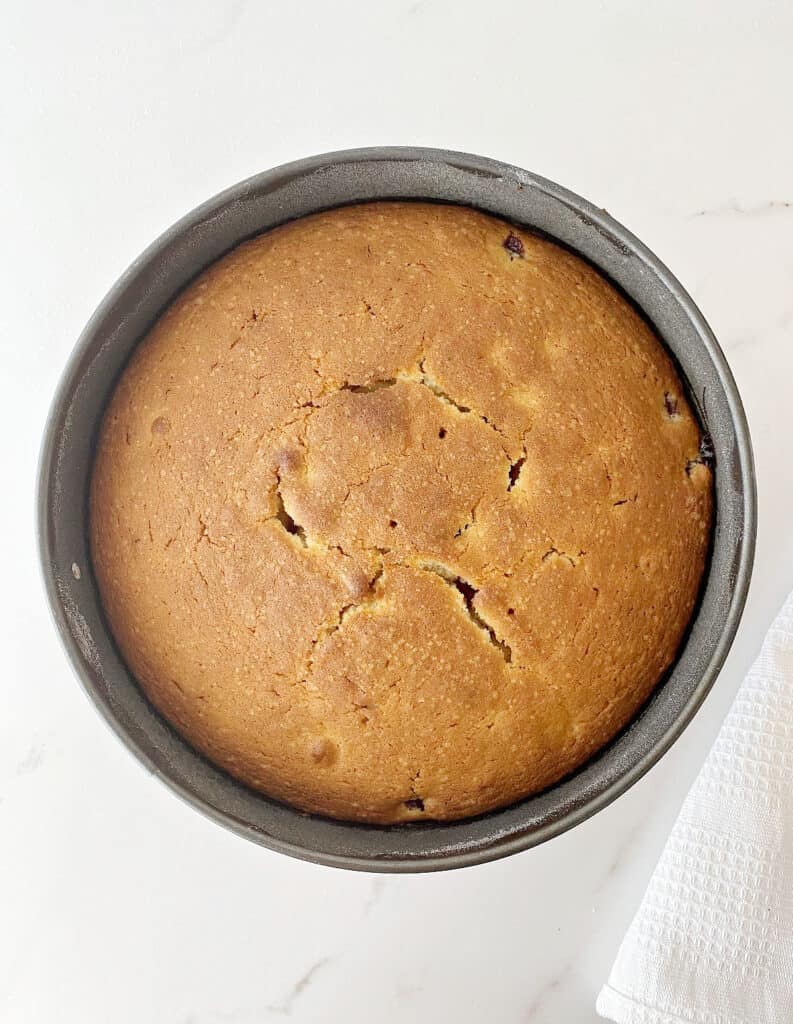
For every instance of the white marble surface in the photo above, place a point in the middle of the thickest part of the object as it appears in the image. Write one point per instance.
(118, 903)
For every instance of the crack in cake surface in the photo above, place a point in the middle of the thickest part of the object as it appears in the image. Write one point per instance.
(468, 594)
(328, 629)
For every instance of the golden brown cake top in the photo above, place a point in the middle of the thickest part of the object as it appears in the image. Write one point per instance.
(399, 512)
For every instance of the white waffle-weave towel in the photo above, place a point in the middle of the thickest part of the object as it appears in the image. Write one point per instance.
(712, 942)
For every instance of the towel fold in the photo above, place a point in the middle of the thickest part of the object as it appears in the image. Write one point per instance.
(712, 941)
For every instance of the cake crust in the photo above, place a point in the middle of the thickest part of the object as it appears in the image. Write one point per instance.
(399, 513)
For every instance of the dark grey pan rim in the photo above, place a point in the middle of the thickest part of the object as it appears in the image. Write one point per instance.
(330, 180)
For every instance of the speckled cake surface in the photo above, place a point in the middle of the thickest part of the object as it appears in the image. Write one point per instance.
(399, 513)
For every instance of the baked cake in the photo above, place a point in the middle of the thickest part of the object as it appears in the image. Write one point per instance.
(399, 513)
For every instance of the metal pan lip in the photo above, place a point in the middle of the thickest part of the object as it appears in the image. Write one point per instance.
(431, 846)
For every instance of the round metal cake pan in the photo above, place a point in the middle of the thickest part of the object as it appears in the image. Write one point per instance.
(134, 303)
